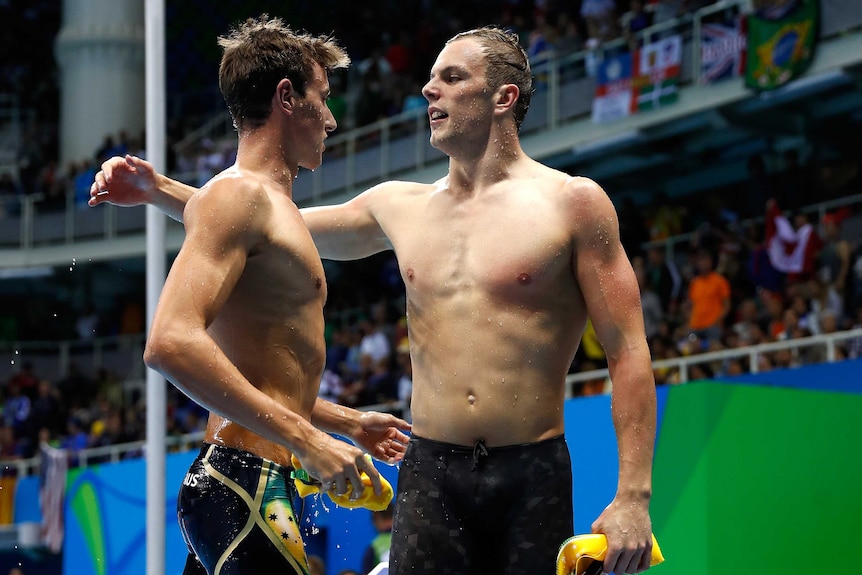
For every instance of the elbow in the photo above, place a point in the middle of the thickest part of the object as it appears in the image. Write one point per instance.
(162, 352)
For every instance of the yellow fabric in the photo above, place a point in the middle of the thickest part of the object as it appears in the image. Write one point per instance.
(7, 499)
(306, 486)
(590, 343)
(578, 552)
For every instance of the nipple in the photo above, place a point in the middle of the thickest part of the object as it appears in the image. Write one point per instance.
(524, 279)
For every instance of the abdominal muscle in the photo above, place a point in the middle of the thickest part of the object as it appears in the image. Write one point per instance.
(283, 362)
(503, 383)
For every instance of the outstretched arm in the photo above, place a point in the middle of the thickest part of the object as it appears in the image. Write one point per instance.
(610, 291)
(132, 181)
(351, 230)
(346, 231)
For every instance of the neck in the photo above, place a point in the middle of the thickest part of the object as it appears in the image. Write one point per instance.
(260, 152)
(488, 164)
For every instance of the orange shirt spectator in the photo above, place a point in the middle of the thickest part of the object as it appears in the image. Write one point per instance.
(709, 296)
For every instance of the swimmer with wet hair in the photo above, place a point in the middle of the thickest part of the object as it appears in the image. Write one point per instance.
(503, 260)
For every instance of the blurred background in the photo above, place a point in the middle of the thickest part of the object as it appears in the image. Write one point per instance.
(726, 133)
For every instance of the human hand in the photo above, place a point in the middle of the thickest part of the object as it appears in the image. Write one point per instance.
(338, 465)
(628, 529)
(124, 181)
(382, 436)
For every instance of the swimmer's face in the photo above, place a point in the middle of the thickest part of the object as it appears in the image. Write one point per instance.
(459, 99)
(314, 120)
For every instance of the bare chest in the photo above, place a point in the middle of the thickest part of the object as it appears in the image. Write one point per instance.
(515, 258)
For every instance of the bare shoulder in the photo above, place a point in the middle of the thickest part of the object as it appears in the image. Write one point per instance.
(392, 196)
(229, 199)
(396, 189)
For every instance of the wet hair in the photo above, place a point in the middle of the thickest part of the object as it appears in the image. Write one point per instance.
(507, 64)
(258, 54)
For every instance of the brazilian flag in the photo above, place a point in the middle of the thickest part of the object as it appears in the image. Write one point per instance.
(780, 43)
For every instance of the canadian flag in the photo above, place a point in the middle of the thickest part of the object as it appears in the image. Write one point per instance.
(792, 251)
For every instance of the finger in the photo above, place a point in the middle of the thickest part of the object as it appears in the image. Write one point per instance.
(610, 563)
(373, 475)
(400, 442)
(352, 484)
(339, 486)
(646, 558)
(634, 562)
(137, 163)
(622, 564)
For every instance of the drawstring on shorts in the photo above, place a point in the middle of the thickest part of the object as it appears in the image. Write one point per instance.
(479, 450)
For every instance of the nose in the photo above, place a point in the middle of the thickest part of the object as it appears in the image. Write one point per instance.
(429, 91)
(329, 123)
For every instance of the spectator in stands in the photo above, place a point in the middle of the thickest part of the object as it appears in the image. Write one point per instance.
(10, 448)
(792, 245)
(47, 412)
(377, 550)
(374, 346)
(405, 376)
(17, 409)
(633, 21)
(663, 277)
(834, 256)
(601, 19)
(667, 218)
(650, 303)
(316, 566)
(26, 379)
(708, 300)
(823, 298)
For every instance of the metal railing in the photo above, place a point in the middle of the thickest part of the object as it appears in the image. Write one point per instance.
(363, 156)
(829, 343)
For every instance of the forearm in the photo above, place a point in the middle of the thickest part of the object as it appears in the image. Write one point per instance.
(171, 196)
(334, 418)
(633, 406)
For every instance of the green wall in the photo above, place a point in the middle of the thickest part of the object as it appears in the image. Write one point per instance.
(758, 480)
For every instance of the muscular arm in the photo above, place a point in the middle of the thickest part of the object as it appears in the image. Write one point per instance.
(350, 230)
(200, 281)
(346, 231)
(610, 291)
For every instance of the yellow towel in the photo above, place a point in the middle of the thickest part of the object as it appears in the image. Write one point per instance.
(579, 552)
(305, 486)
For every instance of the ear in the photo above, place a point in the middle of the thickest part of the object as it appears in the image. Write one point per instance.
(507, 95)
(284, 96)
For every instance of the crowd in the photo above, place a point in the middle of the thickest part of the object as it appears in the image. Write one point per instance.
(390, 58)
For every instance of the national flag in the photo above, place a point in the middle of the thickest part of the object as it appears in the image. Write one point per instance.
(656, 75)
(52, 495)
(781, 49)
(613, 98)
(722, 51)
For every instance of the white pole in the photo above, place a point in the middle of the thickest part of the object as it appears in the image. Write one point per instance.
(154, 17)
